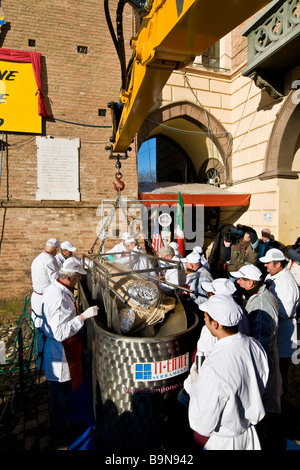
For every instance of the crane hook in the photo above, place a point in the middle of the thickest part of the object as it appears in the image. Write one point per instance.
(118, 184)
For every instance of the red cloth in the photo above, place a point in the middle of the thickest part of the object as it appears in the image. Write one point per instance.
(73, 349)
(35, 59)
(194, 355)
(200, 440)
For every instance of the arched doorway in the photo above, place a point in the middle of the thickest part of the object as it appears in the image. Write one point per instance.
(282, 161)
(160, 159)
(283, 141)
(200, 136)
(193, 146)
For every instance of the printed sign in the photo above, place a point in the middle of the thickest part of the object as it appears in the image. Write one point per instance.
(18, 98)
(150, 371)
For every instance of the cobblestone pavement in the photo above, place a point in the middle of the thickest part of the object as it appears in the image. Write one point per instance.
(30, 429)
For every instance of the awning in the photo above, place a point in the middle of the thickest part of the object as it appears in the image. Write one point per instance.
(205, 194)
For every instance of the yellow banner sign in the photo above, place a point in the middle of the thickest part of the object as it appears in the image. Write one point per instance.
(18, 98)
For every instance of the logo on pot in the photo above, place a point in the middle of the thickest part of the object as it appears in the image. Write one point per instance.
(150, 371)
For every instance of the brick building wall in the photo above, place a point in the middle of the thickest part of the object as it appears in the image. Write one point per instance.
(239, 47)
(76, 86)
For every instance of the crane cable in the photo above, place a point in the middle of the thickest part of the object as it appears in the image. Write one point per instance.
(119, 186)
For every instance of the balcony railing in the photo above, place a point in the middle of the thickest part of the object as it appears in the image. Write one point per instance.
(273, 44)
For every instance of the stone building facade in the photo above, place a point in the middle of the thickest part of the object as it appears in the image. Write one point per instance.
(76, 86)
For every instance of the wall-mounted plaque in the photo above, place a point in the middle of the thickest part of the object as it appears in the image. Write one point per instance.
(57, 169)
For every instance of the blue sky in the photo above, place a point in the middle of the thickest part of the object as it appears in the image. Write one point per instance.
(147, 160)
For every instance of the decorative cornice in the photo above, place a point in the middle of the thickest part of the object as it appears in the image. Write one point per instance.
(285, 174)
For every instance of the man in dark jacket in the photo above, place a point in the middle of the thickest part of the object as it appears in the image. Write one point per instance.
(244, 251)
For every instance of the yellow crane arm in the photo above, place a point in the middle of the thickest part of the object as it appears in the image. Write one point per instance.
(170, 36)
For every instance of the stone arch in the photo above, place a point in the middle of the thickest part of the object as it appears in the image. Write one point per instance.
(283, 139)
(199, 116)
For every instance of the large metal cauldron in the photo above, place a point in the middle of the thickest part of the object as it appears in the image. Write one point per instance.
(136, 385)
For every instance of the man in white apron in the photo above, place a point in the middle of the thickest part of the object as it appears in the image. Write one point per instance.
(226, 393)
(44, 270)
(62, 326)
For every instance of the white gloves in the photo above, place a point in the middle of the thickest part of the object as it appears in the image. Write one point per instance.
(193, 374)
(192, 377)
(89, 312)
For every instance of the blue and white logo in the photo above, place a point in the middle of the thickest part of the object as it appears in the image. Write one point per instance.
(150, 371)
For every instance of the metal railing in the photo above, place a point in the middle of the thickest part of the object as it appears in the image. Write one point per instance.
(16, 372)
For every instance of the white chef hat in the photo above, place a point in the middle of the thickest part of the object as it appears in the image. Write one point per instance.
(68, 246)
(72, 265)
(174, 245)
(126, 235)
(52, 242)
(219, 286)
(198, 249)
(223, 309)
(193, 257)
(272, 255)
(248, 271)
(130, 240)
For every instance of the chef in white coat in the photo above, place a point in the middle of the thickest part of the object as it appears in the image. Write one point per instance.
(119, 249)
(226, 393)
(44, 270)
(174, 276)
(66, 250)
(134, 257)
(62, 326)
(283, 285)
(218, 286)
(196, 273)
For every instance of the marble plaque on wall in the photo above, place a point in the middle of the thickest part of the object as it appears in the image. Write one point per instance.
(57, 169)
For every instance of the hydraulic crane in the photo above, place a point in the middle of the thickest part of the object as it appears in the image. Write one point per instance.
(171, 34)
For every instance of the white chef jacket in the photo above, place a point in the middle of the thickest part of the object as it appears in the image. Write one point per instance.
(207, 341)
(59, 323)
(226, 399)
(44, 269)
(194, 281)
(61, 259)
(285, 288)
(172, 275)
(119, 248)
(135, 262)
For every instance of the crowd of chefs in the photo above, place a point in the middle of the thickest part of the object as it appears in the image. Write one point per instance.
(248, 304)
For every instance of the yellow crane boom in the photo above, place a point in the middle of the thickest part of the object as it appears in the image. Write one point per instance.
(172, 33)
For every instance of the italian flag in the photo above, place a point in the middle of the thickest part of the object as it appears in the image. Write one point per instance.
(178, 231)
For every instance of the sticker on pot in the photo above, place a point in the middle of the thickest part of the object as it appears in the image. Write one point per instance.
(150, 371)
